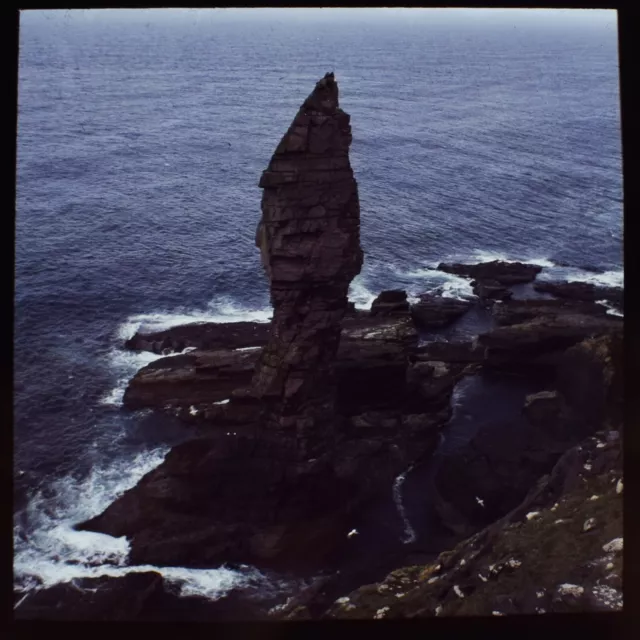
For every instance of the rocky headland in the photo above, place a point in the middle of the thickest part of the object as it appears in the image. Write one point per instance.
(303, 425)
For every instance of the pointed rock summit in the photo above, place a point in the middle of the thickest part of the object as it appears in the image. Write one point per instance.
(309, 239)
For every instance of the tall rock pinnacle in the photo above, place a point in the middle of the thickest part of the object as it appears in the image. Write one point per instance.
(309, 239)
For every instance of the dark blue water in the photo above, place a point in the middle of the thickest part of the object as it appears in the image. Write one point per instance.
(141, 139)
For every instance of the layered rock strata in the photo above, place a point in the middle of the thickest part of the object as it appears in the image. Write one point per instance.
(276, 492)
(309, 239)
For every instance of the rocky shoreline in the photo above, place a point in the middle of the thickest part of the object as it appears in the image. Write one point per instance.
(377, 348)
(302, 425)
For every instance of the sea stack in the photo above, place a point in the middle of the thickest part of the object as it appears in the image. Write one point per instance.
(309, 239)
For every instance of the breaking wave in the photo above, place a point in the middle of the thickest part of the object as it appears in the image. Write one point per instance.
(221, 309)
(430, 280)
(360, 294)
(125, 364)
(48, 551)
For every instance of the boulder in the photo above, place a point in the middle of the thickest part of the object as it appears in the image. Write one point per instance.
(435, 312)
(196, 378)
(490, 290)
(390, 303)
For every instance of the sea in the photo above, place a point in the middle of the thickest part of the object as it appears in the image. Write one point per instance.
(142, 134)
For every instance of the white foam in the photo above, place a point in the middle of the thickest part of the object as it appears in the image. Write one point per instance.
(611, 310)
(409, 532)
(489, 256)
(247, 348)
(125, 364)
(218, 310)
(360, 295)
(613, 278)
(429, 280)
(52, 552)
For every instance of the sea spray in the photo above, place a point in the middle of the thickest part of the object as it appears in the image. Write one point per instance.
(49, 551)
(222, 309)
(430, 280)
(125, 364)
(360, 295)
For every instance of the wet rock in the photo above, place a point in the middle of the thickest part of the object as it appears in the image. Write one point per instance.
(390, 303)
(453, 352)
(199, 377)
(520, 311)
(431, 383)
(584, 291)
(135, 596)
(490, 290)
(504, 273)
(370, 369)
(434, 312)
(541, 342)
(204, 336)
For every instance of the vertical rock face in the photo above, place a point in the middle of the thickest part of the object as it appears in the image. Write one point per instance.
(309, 239)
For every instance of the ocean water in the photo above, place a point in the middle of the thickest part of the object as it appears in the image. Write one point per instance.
(141, 139)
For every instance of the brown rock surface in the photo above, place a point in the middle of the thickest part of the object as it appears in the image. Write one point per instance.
(207, 336)
(390, 303)
(584, 291)
(309, 238)
(433, 311)
(280, 491)
(370, 372)
(505, 273)
(519, 311)
(542, 341)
